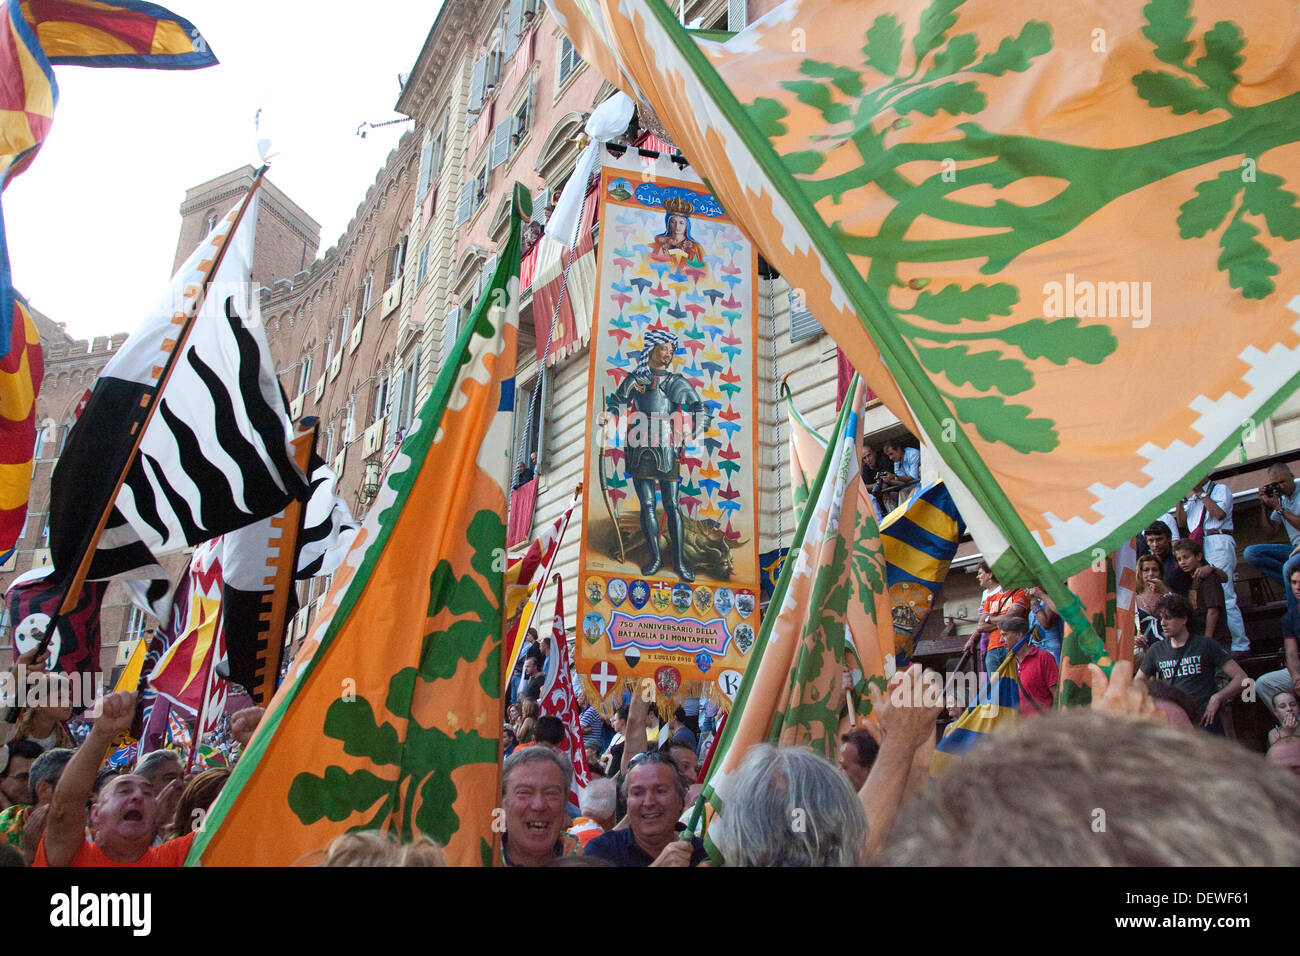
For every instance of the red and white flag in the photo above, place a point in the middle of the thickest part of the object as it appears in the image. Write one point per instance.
(559, 700)
(520, 572)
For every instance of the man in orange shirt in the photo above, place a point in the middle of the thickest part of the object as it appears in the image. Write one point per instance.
(124, 816)
(997, 603)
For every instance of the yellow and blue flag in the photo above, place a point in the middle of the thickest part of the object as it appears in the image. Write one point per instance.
(996, 708)
(920, 539)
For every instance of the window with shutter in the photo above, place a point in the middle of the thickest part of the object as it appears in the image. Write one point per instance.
(367, 290)
(426, 165)
(802, 323)
(476, 89)
(501, 143)
(450, 329)
(465, 203)
(514, 26)
(423, 269)
(569, 61)
(485, 274)
(540, 202)
(736, 15)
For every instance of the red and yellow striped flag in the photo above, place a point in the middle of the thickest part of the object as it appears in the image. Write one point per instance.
(20, 380)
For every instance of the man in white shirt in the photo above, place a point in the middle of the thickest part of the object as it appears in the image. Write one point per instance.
(1281, 497)
(1208, 509)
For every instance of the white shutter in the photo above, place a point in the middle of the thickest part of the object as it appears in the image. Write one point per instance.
(539, 206)
(398, 400)
(476, 89)
(440, 140)
(450, 329)
(485, 274)
(802, 323)
(465, 203)
(736, 15)
(501, 143)
(426, 165)
(514, 26)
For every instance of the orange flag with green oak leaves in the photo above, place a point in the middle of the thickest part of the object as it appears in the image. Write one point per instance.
(390, 715)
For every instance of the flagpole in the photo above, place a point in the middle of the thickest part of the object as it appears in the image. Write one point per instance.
(78, 579)
(207, 699)
(275, 606)
(536, 600)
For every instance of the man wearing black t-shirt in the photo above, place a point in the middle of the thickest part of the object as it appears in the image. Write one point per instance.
(1189, 662)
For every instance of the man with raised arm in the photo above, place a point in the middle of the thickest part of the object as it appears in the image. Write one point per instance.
(123, 817)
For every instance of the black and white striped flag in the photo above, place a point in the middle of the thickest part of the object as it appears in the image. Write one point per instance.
(215, 456)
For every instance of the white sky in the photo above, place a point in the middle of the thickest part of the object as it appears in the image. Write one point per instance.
(92, 224)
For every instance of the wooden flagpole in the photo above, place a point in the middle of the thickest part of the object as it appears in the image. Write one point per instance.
(149, 406)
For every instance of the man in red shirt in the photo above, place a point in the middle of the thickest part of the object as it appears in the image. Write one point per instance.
(124, 816)
(1036, 669)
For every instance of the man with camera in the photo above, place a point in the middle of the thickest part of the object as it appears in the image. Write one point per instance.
(1280, 502)
(1205, 515)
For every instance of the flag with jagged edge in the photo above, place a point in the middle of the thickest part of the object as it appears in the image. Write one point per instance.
(868, 616)
(21, 371)
(558, 699)
(1107, 592)
(792, 690)
(390, 716)
(997, 238)
(995, 708)
(181, 674)
(523, 585)
(39, 33)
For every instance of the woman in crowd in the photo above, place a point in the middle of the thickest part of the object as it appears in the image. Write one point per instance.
(527, 725)
(199, 794)
(1153, 589)
(1288, 717)
(612, 759)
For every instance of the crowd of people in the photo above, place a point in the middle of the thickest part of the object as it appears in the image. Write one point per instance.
(1141, 752)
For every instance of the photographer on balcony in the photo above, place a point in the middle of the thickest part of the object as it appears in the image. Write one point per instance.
(1280, 502)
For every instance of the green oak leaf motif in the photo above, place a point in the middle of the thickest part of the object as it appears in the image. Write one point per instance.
(866, 105)
(414, 790)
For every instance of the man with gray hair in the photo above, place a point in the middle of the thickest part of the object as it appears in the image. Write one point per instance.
(656, 797)
(21, 825)
(599, 805)
(789, 807)
(535, 790)
(165, 771)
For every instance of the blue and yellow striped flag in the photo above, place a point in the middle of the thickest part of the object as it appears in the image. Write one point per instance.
(996, 708)
(920, 539)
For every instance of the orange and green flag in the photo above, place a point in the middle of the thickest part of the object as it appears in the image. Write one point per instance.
(390, 716)
(1058, 241)
(792, 693)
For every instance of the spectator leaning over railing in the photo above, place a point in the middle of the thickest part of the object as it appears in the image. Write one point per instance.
(1279, 500)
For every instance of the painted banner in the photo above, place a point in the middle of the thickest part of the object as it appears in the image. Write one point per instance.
(669, 564)
(1059, 243)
